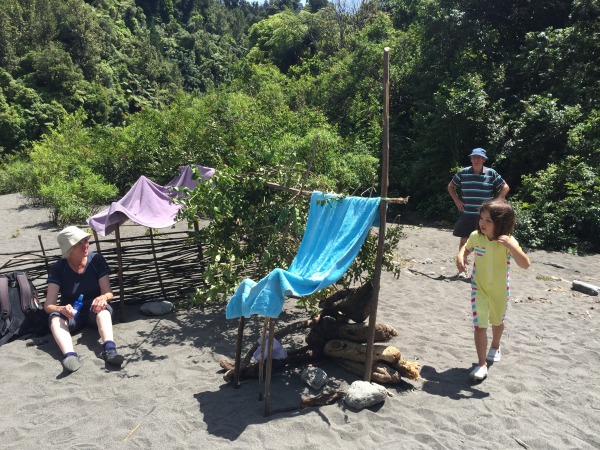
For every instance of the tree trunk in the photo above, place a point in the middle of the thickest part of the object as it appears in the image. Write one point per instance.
(353, 303)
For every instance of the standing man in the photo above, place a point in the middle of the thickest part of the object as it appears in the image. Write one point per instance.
(477, 184)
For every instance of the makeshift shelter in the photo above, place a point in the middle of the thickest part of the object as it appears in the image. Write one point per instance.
(148, 204)
(304, 277)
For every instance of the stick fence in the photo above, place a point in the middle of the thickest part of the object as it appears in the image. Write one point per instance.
(173, 258)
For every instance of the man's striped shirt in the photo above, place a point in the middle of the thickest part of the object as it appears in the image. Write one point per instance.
(476, 188)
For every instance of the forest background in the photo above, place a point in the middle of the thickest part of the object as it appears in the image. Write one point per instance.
(95, 93)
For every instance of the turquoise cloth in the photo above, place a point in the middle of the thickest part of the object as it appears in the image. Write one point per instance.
(335, 232)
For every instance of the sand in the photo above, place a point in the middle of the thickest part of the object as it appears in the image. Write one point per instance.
(170, 393)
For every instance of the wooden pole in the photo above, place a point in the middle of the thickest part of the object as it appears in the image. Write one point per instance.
(44, 253)
(269, 368)
(399, 200)
(96, 241)
(261, 363)
(198, 245)
(200, 251)
(120, 263)
(238, 353)
(160, 282)
(382, 213)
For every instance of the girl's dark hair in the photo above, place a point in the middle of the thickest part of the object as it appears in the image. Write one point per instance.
(502, 214)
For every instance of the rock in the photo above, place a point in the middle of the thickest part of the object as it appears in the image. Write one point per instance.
(586, 288)
(157, 308)
(363, 394)
(314, 377)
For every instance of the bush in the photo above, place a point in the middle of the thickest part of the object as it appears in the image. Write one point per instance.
(62, 173)
(13, 175)
(559, 208)
(74, 200)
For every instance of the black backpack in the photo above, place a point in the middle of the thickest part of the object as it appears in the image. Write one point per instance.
(20, 312)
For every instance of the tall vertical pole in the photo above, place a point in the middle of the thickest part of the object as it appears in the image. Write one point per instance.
(269, 368)
(200, 252)
(382, 213)
(120, 263)
(238, 353)
(261, 362)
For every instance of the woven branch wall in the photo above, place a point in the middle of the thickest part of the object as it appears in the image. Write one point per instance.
(178, 258)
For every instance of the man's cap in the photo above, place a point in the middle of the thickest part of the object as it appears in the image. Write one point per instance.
(478, 152)
(68, 237)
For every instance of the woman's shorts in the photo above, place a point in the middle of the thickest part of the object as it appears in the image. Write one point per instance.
(82, 320)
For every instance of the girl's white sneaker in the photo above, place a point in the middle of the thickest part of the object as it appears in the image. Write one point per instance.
(478, 373)
(494, 354)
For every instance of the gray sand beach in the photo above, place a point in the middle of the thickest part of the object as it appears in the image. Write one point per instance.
(170, 392)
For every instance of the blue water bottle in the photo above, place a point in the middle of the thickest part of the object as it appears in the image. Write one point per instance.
(77, 306)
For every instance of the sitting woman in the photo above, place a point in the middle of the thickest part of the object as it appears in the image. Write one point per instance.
(80, 272)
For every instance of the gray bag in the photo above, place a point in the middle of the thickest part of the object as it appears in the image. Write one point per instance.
(20, 312)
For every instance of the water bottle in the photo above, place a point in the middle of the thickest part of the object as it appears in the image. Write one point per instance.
(77, 306)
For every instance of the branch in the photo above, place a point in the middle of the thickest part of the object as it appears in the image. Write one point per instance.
(398, 200)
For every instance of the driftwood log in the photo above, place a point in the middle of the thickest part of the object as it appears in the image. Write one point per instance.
(388, 364)
(382, 373)
(328, 328)
(357, 352)
(288, 329)
(295, 358)
(321, 399)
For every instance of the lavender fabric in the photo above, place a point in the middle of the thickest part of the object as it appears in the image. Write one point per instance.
(185, 176)
(147, 203)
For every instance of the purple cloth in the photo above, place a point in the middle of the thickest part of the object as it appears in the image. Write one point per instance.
(185, 176)
(147, 203)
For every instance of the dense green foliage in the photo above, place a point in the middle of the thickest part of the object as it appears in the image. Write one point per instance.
(561, 202)
(143, 86)
(62, 173)
(110, 57)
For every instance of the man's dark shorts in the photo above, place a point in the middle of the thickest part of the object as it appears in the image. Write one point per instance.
(465, 225)
(81, 321)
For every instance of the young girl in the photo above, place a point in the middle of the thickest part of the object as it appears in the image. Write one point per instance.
(494, 249)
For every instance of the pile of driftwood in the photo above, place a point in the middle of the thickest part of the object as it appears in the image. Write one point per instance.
(340, 333)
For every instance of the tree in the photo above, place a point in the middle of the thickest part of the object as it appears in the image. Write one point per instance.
(281, 39)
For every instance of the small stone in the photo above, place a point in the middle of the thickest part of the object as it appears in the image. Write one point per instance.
(157, 308)
(363, 394)
(314, 377)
